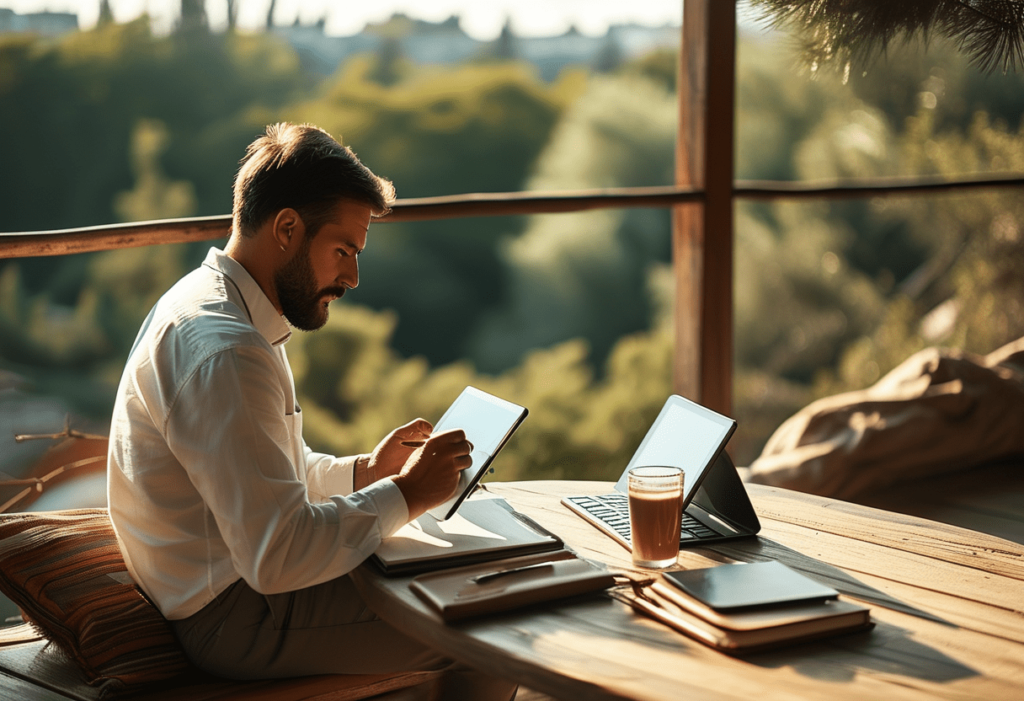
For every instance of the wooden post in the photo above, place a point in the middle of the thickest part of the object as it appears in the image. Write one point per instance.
(702, 232)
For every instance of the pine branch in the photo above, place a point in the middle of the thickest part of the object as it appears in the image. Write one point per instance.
(844, 32)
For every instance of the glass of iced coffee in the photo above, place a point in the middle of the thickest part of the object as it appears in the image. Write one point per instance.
(655, 510)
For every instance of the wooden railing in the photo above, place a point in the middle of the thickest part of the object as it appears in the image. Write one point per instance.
(150, 233)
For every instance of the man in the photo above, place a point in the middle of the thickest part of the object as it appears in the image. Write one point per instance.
(236, 530)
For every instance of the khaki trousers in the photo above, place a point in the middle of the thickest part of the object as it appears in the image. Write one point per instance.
(325, 629)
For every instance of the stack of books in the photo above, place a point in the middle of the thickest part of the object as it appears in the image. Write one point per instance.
(744, 608)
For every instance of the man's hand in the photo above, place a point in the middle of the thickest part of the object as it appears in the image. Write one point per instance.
(390, 456)
(430, 475)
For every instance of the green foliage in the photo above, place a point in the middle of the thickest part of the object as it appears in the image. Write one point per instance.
(831, 295)
(583, 274)
(970, 292)
(354, 389)
(567, 314)
(474, 128)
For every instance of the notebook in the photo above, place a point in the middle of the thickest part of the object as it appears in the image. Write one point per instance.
(715, 504)
(483, 529)
(464, 592)
(747, 631)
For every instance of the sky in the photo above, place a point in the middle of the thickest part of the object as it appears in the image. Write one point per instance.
(481, 19)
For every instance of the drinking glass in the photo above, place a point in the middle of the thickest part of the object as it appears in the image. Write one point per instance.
(655, 511)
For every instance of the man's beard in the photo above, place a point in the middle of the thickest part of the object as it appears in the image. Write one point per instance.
(303, 305)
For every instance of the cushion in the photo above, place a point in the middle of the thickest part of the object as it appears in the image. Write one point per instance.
(939, 411)
(65, 571)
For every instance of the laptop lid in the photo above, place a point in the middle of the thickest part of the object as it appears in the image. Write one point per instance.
(685, 435)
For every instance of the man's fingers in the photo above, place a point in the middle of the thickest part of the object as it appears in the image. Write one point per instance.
(452, 435)
(417, 428)
(451, 442)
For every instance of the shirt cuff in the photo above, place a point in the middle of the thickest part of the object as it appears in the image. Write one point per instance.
(392, 511)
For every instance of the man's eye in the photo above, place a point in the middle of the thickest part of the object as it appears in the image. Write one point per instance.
(342, 252)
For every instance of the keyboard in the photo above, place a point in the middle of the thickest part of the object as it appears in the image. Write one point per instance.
(610, 512)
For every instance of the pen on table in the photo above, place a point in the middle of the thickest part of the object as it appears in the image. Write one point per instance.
(488, 576)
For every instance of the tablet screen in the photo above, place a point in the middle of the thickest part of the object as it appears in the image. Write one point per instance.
(685, 435)
(488, 421)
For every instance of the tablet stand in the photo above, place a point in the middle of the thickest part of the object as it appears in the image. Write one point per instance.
(722, 494)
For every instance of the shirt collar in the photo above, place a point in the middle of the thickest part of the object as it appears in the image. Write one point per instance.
(264, 317)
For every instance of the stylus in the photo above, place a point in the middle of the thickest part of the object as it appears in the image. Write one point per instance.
(481, 578)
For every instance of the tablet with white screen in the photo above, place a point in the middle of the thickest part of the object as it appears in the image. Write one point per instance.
(488, 422)
(685, 435)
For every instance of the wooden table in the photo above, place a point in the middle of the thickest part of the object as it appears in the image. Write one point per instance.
(948, 603)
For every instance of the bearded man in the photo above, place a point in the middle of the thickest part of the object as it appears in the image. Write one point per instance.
(239, 533)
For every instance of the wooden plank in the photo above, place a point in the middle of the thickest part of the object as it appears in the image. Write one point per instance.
(987, 499)
(112, 236)
(42, 664)
(941, 542)
(518, 203)
(44, 668)
(872, 187)
(702, 233)
(12, 688)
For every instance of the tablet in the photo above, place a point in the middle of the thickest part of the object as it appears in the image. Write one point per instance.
(489, 422)
(685, 435)
(749, 585)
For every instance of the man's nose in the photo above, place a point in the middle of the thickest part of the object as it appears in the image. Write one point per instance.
(350, 276)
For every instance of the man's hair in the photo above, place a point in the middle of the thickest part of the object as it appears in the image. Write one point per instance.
(302, 167)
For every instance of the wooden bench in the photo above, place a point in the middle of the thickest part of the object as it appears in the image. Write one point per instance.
(32, 668)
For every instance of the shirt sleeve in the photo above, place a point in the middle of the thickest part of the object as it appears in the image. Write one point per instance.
(228, 429)
(327, 475)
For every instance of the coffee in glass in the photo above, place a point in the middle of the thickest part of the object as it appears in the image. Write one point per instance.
(655, 511)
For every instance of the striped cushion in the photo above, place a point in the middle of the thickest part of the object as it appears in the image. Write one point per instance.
(65, 571)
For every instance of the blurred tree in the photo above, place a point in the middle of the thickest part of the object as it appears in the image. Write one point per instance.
(82, 147)
(232, 8)
(610, 56)
(567, 312)
(970, 293)
(389, 68)
(106, 15)
(477, 128)
(193, 17)
(269, 24)
(503, 48)
(583, 274)
(154, 195)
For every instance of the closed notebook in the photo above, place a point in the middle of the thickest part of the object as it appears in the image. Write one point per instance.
(481, 530)
(740, 632)
(509, 584)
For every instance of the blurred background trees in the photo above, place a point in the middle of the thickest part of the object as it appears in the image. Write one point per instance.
(567, 314)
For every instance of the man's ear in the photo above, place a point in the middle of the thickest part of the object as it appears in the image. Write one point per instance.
(288, 228)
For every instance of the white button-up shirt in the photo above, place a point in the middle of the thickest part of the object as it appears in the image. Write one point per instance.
(209, 479)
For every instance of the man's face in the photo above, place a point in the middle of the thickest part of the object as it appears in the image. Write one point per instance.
(323, 267)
